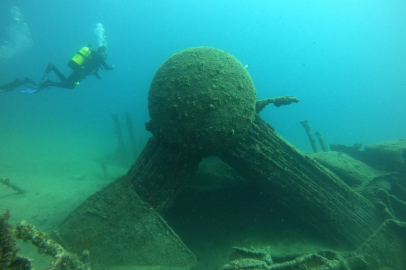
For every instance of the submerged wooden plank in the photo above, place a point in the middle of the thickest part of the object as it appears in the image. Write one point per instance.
(305, 187)
(118, 228)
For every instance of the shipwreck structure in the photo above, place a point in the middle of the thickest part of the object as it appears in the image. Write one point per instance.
(202, 103)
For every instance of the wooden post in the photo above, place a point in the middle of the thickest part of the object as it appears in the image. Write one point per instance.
(130, 127)
(120, 140)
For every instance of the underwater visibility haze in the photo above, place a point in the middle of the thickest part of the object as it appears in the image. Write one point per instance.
(344, 60)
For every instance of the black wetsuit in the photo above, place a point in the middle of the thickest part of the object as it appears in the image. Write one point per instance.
(27, 82)
(90, 66)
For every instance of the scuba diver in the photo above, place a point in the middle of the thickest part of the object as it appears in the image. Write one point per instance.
(85, 62)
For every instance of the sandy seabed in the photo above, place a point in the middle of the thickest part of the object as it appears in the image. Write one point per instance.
(56, 177)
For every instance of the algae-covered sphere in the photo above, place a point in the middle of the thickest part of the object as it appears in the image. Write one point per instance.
(201, 98)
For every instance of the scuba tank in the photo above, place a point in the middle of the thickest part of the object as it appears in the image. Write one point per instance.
(80, 57)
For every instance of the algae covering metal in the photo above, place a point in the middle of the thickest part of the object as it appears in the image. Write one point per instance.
(201, 98)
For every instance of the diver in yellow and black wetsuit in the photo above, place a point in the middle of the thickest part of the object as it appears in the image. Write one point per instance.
(86, 62)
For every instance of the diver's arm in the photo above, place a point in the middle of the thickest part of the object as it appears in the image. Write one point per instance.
(107, 67)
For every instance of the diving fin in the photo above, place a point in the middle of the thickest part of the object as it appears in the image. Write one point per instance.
(28, 91)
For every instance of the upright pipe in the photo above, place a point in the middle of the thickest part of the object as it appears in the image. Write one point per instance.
(119, 134)
(305, 124)
(321, 141)
(130, 127)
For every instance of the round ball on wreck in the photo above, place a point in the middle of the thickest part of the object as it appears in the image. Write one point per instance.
(201, 98)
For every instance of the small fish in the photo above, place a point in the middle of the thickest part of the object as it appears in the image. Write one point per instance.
(247, 66)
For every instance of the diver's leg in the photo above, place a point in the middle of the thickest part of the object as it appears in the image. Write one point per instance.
(74, 79)
(28, 82)
(12, 85)
(65, 84)
(51, 67)
(69, 83)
